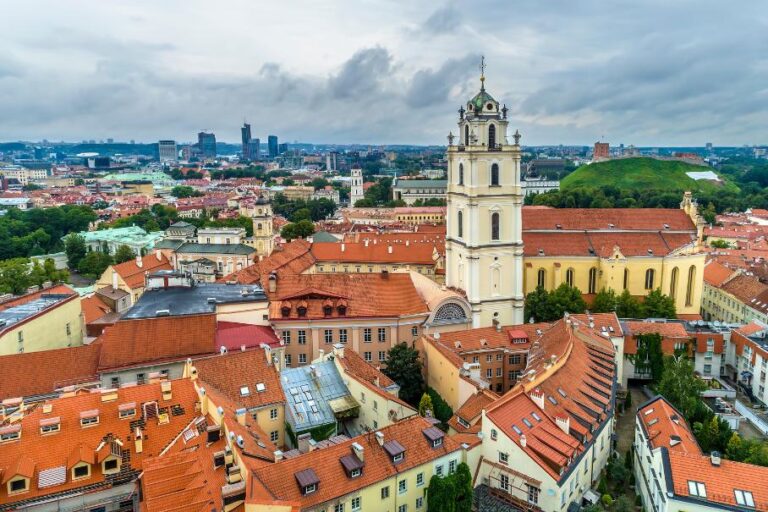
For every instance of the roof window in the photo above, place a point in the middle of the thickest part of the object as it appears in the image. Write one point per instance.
(307, 480)
(244, 391)
(260, 387)
(697, 489)
(744, 498)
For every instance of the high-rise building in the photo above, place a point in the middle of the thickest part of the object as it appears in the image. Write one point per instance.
(245, 137)
(602, 151)
(272, 146)
(484, 242)
(357, 187)
(254, 149)
(709, 147)
(167, 151)
(207, 144)
(282, 148)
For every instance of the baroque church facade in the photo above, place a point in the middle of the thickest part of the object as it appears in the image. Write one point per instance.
(497, 250)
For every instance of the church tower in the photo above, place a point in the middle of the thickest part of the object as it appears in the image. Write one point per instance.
(263, 235)
(357, 187)
(484, 243)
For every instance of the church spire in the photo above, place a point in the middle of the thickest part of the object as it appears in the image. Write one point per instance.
(482, 72)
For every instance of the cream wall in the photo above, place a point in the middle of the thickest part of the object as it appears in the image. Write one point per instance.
(355, 267)
(254, 313)
(269, 425)
(445, 378)
(46, 331)
(717, 304)
(375, 407)
(610, 275)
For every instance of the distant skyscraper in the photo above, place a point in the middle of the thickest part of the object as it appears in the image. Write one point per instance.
(254, 148)
(245, 137)
(282, 148)
(709, 146)
(272, 146)
(207, 144)
(601, 151)
(166, 151)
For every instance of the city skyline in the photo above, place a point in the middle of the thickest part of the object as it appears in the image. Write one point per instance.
(649, 75)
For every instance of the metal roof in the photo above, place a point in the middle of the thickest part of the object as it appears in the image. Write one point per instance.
(308, 391)
(16, 314)
(193, 300)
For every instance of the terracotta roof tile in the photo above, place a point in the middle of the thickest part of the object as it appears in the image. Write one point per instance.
(130, 342)
(670, 332)
(745, 288)
(230, 373)
(39, 373)
(233, 335)
(93, 308)
(417, 253)
(715, 273)
(133, 275)
(648, 219)
(665, 426)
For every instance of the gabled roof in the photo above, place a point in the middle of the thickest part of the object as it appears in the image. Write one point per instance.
(173, 338)
(246, 378)
(716, 274)
(39, 373)
(351, 252)
(93, 308)
(665, 426)
(635, 219)
(133, 274)
(670, 332)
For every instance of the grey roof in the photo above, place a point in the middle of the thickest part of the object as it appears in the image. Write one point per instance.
(169, 244)
(194, 300)
(16, 314)
(308, 389)
(112, 293)
(421, 184)
(324, 236)
(192, 248)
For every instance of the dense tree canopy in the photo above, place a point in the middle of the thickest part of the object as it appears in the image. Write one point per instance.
(40, 230)
(294, 230)
(544, 306)
(404, 367)
(18, 274)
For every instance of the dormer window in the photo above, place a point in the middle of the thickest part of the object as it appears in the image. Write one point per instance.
(285, 311)
(307, 480)
(50, 425)
(352, 465)
(342, 310)
(82, 470)
(18, 485)
(398, 457)
(327, 310)
(302, 310)
(434, 436)
(395, 450)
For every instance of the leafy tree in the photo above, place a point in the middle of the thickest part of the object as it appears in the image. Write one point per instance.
(604, 301)
(681, 387)
(74, 247)
(463, 488)
(617, 473)
(627, 306)
(737, 449)
(319, 183)
(602, 486)
(537, 305)
(301, 229)
(623, 504)
(440, 495)
(545, 306)
(658, 305)
(124, 253)
(404, 367)
(720, 244)
(649, 356)
(94, 264)
(301, 214)
(442, 411)
(425, 405)
(182, 191)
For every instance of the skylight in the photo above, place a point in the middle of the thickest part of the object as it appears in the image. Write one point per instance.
(517, 429)
(552, 400)
(536, 416)
(244, 391)
(260, 387)
(527, 423)
(744, 498)
(697, 489)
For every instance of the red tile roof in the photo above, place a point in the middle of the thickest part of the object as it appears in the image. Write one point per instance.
(131, 342)
(715, 274)
(663, 423)
(133, 275)
(233, 335)
(45, 451)
(416, 253)
(603, 243)
(229, 373)
(646, 219)
(671, 333)
(280, 482)
(38, 373)
(93, 308)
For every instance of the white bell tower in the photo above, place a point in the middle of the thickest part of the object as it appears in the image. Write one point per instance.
(356, 193)
(484, 243)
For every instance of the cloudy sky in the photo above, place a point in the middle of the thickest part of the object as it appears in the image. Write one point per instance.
(643, 72)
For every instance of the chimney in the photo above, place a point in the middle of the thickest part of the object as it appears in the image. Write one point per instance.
(278, 455)
(338, 350)
(366, 242)
(407, 243)
(537, 395)
(159, 255)
(267, 353)
(359, 451)
(304, 442)
(272, 282)
(139, 263)
(165, 386)
(343, 247)
(380, 438)
(139, 440)
(523, 440)
(715, 458)
(564, 422)
(114, 280)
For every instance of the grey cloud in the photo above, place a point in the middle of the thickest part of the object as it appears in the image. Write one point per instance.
(444, 20)
(362, 75)
(431, 87)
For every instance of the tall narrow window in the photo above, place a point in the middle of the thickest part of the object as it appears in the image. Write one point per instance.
(649, 275)
(460, 228)
(689, 288)
(492, 136)
(461, 174)
(495, 175)
(626, 279)
(569, 277)
(673, 283)
(541, 277)
(466, 134)
(494, 226)
(592, 280)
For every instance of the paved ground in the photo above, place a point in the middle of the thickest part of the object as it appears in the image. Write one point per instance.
(625, 424)
(747, 431)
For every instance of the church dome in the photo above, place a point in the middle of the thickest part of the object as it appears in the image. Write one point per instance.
(481, 101)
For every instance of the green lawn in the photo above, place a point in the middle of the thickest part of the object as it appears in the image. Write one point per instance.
(642, 173)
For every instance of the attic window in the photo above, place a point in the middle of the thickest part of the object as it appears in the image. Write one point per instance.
(127, 410)
(244, 391)
(464, 423)
(302, 310)
(327, 310)
(395, 450)
(342, 310)
(527, 423)
(88, 418)
(666, 226)
(744, 498)
(674, 440)
(517, 429)
(697, 489)
(552, 400)
(307, 480)
(285, 311)
(260, 387)
(50, 425)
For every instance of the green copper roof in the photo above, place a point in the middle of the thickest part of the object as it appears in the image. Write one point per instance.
(481, 99)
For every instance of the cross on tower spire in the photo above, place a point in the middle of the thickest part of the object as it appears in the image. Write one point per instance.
(482, 72)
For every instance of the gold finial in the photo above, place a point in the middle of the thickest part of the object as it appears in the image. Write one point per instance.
(482, 71)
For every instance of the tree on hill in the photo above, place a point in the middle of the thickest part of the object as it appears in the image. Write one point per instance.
(404, 367)
(75, 249)
(124, 253)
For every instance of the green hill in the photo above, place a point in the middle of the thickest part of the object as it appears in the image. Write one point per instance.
(643, 174)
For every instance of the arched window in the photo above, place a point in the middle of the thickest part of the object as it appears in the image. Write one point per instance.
(649, 275)
(466, 134)
(450, 312)
(461, 174)
(569, 277)
(494, 226)
(541, 277)
(492, 136)
(495, 175)
(689, 288)
(673, 283)
(626, 279)
(592, 280)
(460, 228)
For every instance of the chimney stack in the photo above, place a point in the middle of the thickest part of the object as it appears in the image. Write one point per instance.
(343, 246)
(273, 282)
(523, 440)
(159, 255)
(359, 451)
(114, 280)
(139, 263)
(380, 438)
